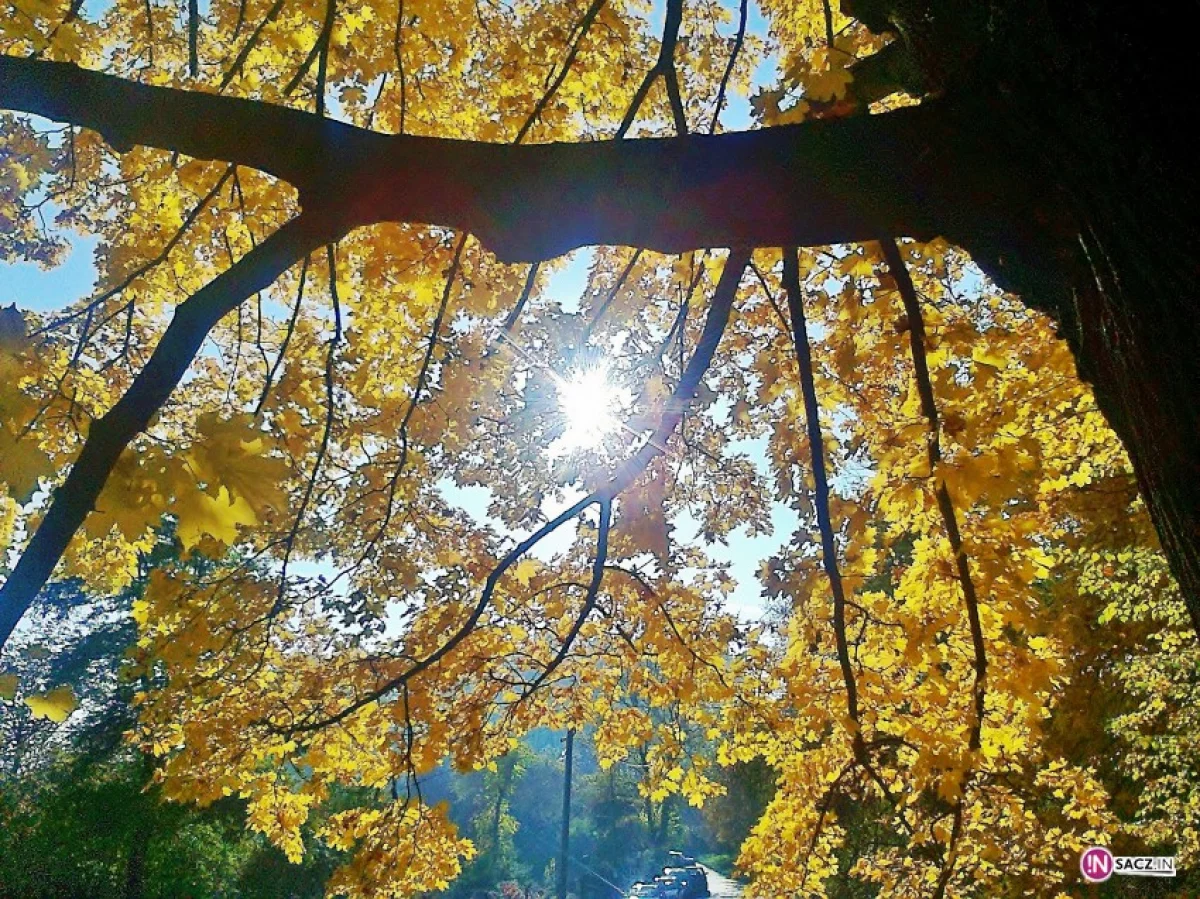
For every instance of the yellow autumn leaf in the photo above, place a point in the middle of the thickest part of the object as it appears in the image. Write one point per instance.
(829, 77)
(232, 453)
(55, 705)
(525, 570)
(22, 464)
(8, 686)
(131, 500)
(8, 515)
(643, 522)
(200, 514)
(985, 356)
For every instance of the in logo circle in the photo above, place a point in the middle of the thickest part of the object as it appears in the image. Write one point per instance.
(1096, 864)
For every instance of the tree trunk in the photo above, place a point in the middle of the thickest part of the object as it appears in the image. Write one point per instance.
(135, 864)
(1135, 336)
(1121, 287)
(1117, 130)
(1088, 103)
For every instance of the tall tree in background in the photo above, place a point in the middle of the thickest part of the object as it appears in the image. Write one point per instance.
(327, 242)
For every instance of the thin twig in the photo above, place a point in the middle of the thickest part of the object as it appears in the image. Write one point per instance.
(142, 269)
(584, 27)
(733, 58)
(619, 480)
(287, 338)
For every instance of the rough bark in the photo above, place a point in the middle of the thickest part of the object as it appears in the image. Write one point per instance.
(1111, 126)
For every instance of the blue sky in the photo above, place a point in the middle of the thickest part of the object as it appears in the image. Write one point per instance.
(31, 287)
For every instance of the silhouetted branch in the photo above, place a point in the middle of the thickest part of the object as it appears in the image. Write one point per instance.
(821, 182)
(916, 333)
(110, 434)
(620, 479)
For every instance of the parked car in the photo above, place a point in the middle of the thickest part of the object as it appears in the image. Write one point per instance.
(645, 891)
(695, 881)
(672, 887)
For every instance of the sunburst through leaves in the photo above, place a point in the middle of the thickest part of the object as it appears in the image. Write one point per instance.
(590, 402)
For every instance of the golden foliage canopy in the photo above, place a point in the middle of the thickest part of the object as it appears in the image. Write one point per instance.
(333, 617)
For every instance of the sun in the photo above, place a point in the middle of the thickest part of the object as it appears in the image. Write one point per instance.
(589, 401)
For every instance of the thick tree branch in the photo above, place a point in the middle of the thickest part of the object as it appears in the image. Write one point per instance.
(915, 172)
(112, 433)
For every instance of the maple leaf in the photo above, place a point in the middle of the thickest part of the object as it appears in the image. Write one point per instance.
(132, 499)
(230, 455)
(829, 76)
(200, 514)
(23, 464)
(525, 570)
(55, 705)
(643, 521)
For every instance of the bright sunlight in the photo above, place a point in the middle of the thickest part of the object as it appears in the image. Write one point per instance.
(590, 402)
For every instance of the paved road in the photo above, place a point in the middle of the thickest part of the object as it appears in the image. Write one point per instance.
(722, 887)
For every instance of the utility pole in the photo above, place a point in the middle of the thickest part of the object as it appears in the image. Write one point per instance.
(566, 818)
